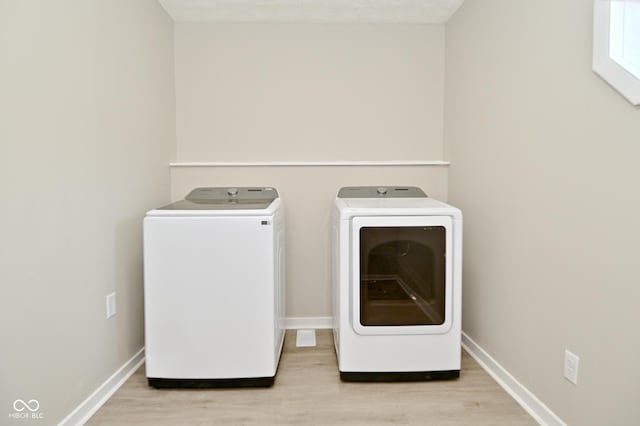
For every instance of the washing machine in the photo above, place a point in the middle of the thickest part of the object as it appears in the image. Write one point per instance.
(397, 270)
(214, 289)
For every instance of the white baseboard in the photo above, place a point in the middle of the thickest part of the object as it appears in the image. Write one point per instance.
(527, 400)
(295, 323)
(92, 404)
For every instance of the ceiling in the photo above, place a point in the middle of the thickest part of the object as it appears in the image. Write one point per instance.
(352, 11)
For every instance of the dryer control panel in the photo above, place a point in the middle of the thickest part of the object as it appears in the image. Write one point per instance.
(381, 192)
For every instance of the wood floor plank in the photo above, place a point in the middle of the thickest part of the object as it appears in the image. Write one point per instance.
(308, 391)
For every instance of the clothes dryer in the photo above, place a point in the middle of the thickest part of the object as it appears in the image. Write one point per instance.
(397, 266)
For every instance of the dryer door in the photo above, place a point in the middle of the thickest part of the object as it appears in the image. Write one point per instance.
(401, 274)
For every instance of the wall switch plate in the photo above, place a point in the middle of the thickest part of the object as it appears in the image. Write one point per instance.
(305, 338)
(571, 362)
(111, 305)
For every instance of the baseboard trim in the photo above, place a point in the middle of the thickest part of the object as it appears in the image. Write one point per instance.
(527, 400)
(83, 412)
(92, 404)
(295, 323)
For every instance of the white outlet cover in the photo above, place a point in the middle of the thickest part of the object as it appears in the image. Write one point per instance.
(111, 305)
(571, 363)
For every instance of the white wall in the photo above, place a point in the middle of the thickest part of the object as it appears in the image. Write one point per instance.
(544, 166)
(86, 133)
(262, 92)
(287, 92)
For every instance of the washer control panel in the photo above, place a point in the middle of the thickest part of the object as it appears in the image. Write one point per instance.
(226, 198)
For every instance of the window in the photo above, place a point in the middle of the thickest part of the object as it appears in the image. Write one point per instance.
(624, 38)
(616, 45)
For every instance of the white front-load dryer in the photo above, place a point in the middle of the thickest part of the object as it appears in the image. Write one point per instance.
(397, 284)
(214, 289)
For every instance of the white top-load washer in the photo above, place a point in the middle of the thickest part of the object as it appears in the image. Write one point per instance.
(214, 289)
(397, 285)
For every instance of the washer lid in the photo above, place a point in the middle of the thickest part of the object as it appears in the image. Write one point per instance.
(381, 192)
(226, 198)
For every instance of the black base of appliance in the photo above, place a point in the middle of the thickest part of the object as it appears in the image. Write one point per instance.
(400, 376)
(263, 382)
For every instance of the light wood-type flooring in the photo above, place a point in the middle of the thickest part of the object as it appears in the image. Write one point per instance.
(308, 391)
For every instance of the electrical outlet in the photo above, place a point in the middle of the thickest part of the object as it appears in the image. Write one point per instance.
(571, 362)
(111, 305)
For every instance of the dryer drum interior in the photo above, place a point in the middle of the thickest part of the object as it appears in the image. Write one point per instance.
(402, 276)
